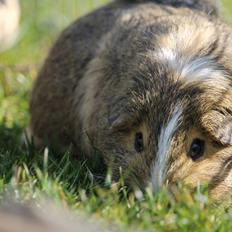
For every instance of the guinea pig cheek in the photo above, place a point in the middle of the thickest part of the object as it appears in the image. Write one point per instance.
(135, 160)
(221, 182)
(206, 169)
(222, 191)
(192, 171)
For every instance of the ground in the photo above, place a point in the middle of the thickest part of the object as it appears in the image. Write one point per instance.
(29, 176)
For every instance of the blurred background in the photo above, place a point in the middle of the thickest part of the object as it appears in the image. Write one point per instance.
(41, 22)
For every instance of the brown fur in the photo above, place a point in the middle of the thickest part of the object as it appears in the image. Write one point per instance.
(126, 68)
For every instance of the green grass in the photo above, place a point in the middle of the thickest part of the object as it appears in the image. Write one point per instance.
(29, 176)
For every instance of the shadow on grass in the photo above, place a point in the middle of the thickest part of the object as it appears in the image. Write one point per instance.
(63, 167)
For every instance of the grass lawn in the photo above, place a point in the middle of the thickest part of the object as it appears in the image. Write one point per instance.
(29, 176)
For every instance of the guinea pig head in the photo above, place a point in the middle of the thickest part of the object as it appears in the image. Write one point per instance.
(171, 129)
(215, 164)
(169, 112)
(181, 134)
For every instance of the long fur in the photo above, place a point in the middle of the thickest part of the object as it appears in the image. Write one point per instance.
(121, 71)
(210, 7)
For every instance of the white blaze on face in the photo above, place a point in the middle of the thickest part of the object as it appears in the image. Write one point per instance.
(159, 169)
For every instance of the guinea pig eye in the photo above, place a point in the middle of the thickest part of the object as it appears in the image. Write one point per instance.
(197, 149)
(139, 147)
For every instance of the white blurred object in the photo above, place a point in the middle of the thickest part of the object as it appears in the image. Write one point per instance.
(9, 20)
(22, 218)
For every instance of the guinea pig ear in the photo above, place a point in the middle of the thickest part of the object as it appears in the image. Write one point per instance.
(218, 123)
(122, 121)
(119, 115)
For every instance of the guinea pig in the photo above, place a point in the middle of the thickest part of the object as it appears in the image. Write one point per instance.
(9, 20)
(149, 85)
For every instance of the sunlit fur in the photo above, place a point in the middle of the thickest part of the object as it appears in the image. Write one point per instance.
(163, 70)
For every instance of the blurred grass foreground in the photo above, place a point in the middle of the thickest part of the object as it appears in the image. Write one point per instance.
(27, 176)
